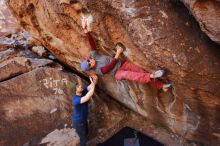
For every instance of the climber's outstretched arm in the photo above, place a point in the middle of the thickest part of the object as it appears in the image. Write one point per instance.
(91, 41)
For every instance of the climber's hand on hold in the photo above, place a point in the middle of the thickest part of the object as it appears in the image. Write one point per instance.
(91, 81)
(83, 23)
(85, 30)
(95, 78)
(118, 52)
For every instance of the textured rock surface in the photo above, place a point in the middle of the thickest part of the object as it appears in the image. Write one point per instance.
(8, 23)
(157, 34)
(34, 97)
(36, 101)
(65, 137)
(207, 13)
(21, 39)
(28, 97)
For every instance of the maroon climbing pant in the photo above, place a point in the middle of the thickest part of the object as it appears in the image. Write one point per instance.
(129, 71)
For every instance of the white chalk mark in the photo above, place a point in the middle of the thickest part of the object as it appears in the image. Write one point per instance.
(53, 110)
(45, 83)
(164, 15)
(55, 84)
(127, 52)
(187, 106)
(56, 81)
(51, 83)
(64, 81)
(58, 91)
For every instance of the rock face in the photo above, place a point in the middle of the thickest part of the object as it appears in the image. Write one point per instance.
(207, 13)
(157, 34)
(61, 137)
(33, 97)
(8, 23)
(36, 101)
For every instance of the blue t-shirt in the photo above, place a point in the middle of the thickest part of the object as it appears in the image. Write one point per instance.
(80, 110)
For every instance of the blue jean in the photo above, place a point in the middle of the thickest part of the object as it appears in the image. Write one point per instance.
(82, 131)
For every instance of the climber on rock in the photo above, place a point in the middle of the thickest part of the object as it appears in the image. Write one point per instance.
(121, 70)
(80, 102)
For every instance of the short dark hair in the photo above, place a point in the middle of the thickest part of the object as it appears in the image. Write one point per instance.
(120, 45)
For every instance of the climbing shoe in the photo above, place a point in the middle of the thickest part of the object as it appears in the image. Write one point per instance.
(166, 87)
(157, 74)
